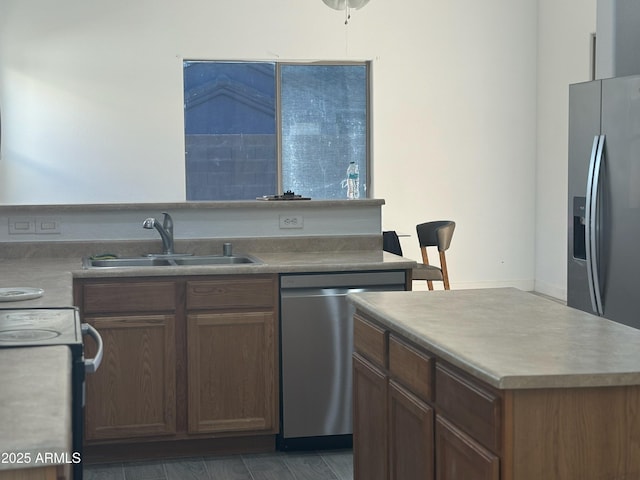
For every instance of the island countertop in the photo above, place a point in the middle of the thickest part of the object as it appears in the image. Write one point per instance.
(511, 339)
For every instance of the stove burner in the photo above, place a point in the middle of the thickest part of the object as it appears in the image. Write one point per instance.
(27, 335)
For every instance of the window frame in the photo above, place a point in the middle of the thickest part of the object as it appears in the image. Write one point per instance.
(366, 182)
(368, 148)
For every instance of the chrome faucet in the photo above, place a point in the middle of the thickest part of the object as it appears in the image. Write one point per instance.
(165, 230)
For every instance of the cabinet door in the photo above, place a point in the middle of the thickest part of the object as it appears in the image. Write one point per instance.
(232, 375)
(410, 436)
(369, 421)
(459, 457)
(36, 473)
(133, 392)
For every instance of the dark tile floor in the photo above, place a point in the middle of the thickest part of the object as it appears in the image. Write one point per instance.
(321, 465)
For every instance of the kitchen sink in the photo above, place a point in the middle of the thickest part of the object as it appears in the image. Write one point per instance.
(125, 262)
(215, 260)
(169, 261)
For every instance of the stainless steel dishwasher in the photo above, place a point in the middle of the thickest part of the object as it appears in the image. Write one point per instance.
(316, 347)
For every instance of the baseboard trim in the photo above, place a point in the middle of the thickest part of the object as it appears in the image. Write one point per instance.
(119, 452)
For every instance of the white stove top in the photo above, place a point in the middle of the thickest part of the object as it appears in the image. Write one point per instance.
(39, 326)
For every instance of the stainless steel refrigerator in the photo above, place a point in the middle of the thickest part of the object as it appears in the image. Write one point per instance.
(603, 272)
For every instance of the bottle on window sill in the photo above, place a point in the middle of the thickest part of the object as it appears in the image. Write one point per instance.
(353, 181)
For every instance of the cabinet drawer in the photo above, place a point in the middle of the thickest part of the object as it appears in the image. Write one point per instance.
(231, 293)
(472, 406)
(459, 456)
(411, 367)
(370, 340)
(129, 297)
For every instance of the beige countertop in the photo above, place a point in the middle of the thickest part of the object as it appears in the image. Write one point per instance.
(511, 339)
(51, 275)
(35, 406)
(294, 262)
(55, 275)
(335, 261)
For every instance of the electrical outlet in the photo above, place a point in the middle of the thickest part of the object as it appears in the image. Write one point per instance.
(291, 221)
(47, 226)
(22, 225)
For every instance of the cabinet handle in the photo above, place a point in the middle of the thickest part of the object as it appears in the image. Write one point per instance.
(92, 364)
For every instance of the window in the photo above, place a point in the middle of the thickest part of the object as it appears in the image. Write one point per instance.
(261, 128)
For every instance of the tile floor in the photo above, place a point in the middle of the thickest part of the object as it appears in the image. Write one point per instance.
(316, 465)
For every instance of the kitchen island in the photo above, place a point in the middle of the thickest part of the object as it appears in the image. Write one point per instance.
(492, 384)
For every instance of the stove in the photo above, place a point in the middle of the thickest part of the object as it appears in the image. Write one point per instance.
(41, 327)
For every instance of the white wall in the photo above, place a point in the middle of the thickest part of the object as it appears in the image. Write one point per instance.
(454, 136)
(563, 58)
(454, 108)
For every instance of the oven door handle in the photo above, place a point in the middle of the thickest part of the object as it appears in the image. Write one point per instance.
(92, 364)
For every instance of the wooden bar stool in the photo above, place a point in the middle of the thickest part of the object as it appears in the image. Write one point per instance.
(434, 234)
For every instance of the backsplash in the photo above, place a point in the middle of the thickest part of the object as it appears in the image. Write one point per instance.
(192, 220)
(78, 249)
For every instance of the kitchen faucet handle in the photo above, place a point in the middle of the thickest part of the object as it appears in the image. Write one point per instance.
(167, 222)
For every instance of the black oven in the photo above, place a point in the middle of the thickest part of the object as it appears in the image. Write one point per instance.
(38, 327)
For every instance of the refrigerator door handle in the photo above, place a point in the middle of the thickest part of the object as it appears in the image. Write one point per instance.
(591, 218)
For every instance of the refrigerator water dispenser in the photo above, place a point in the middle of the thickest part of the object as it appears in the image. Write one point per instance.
(579, 248)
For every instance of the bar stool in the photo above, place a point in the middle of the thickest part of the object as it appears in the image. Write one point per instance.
(391, 242)
(434, 234)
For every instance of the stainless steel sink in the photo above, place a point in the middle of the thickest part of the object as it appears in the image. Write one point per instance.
(168, 261)
(215, 260)
(126, 262)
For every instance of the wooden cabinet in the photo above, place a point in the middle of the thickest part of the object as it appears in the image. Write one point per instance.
(133, 393)
(232, 356)
(424, 418)
(369, 420)
(53, 472)
(185, 358)
(469, 403)
(459, 456)
(393, 427)
(370, 400)
(402, 399)
(231, 372)
(410, 435)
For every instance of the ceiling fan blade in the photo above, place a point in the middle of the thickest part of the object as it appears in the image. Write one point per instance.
(357, 3)
(336, 4)
(342, 4)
